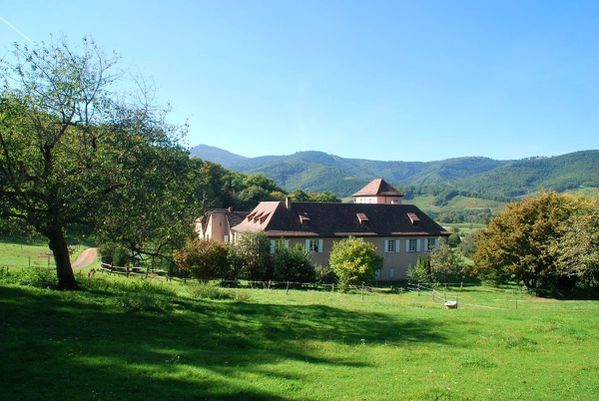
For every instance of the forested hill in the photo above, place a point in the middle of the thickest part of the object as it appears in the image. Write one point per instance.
(485, 177)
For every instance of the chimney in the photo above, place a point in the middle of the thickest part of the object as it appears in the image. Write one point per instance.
(287, 203)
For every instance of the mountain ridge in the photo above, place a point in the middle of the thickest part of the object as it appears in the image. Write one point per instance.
(483, 176)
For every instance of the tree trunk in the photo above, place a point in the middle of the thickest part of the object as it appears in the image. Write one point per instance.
(58, 245)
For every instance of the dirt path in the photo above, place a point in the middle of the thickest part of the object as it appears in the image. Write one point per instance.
(86, 258)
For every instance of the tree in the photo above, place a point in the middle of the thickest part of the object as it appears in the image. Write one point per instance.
(522, 241)
(68, 147)
(250, 255)
(421, 272)
(204, 259)
(354, 261)
(578, 249)
(446, 262)
(293, 264)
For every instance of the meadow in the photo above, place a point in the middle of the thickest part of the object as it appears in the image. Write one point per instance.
(130, 339)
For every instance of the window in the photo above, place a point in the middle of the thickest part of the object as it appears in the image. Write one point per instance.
(226, 238)
(273, 245)
(314, 245)
(391, 246)
(392, 273)
(430, 244)
(413, 245)
(377, 275)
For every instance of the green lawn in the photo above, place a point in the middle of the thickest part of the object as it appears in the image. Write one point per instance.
(34, 253)
(88, 345)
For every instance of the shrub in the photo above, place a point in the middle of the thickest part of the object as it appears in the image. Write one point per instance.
(250, 256)
(421, 272)
(324, 274)
(209, 291)
(120, 256)
(454, 240)
(293, 264)
(38, 277)
(204, 259)
(354, 261)
(446, 262)
(142, 296)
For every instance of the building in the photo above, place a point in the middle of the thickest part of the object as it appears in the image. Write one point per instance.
(216, 224)
(401, 233)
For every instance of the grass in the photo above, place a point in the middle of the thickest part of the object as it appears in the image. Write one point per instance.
(167, 343)
(21, 254)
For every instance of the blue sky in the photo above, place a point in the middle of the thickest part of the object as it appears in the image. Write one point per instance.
(395, 80)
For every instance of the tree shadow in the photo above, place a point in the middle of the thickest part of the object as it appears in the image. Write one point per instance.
(79, 346)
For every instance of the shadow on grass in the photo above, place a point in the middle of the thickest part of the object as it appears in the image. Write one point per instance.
(77, 346)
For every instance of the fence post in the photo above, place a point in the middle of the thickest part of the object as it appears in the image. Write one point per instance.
(287, 289)
(418, 288)
(269, 284)
(461, 285)
(333, 287)
(362, 292)
(29, 261)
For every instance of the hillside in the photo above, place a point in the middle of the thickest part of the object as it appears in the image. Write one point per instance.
(480, 176)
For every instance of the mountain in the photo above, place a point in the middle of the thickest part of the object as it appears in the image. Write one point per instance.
(216, 155)
(478, 177)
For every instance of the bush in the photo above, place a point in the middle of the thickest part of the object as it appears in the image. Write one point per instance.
(142, 296)
(421, 272)
(324, 274)
(293, 265)
(120, 256)
(446, 262)
(209, 291)
(250, 256)
(204, 259)
(38, 277)
(354, 261)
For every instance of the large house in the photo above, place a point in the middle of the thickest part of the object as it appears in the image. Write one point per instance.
(400, 232)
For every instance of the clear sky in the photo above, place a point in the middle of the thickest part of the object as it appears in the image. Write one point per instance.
(414, 80)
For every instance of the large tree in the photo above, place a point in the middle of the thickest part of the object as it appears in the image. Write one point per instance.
(522, 242)
(69, 145)
(354, 261)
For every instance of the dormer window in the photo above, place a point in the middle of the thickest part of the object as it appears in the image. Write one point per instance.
(304, 219)
(257, 216)
(413, 219)
(263, 218)
(362, 218)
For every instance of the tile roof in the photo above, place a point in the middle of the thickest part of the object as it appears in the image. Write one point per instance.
(378, 187)
(339, 220)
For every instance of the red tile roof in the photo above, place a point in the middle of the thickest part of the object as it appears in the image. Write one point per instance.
(378, 187)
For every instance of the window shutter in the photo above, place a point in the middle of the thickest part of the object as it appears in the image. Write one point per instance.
(307, 245)
(397, 244)
(407, 245)
(273, 245)
(286, 243)
(386, 246)
(320, 245)
(417, 245)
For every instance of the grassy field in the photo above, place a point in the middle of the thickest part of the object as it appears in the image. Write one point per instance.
(126, 339)
(30, 253)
